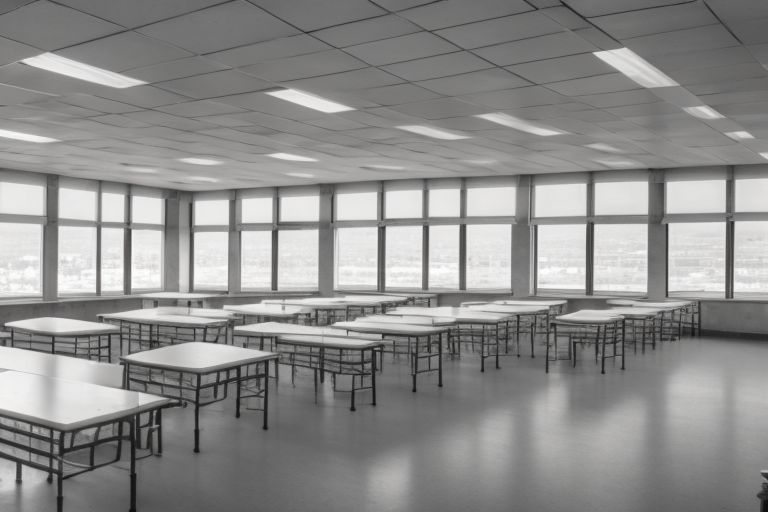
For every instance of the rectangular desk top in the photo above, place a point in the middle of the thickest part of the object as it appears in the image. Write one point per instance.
(510, 309)
(151, 316)
(276, 310)
(275, 328)
(638, 312)
(590, 316)
(197, 357)
(66, 405)
(178, 296)
(361, 325)
(522, 302)
(340, 342)
(460, 314)
(436, 321)
(61, 367)
(53, 326)
(375, 299)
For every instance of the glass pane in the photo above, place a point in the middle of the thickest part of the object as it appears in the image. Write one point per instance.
(750, 257)
(567, 200)
(147, 210)
(300, 209)
(444, 203)
(491, 202)
(297, 265)
(112, 260)
(403, 204)
(357, 206)
(77, 204)
(561, 256)
(146, 259)
(621, 257)
(489, 261)
(256, 210)
(403, 257)
(211, 261)
(356, 257)
(212, 212)
(696, 196)
(112, 207)
(444, 257)
(696, 257)
(622, 198)
(77, 260)
(751, 195)
(20, 269)
(21, 199)
(256, 260)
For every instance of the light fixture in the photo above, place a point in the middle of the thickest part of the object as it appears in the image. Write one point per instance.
(703, 112)
(203, 179)
(385, 167)
(309, 100)
(481, 162)
(764, 155)
(199, 161)
(520, 124)
(428, 131)
(740, 135)
(606, 148)
(635, 68)
(300, 174)
(292, 158)
(617, 163)
(75, 69)
(142, 170)
(28, 137)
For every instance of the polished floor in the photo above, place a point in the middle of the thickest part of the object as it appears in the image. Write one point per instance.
(683, 428)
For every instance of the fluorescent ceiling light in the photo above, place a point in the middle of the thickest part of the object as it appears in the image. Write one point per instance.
(703, 112)
(481, 162)
(143, 170)
(386, 167)
(199, 161)
(300, 174)
(428, 131)
(309, 100)
(607, 148)
(520, 124)
(764, 155)
(69, 67)
(635, 68)
(741, 135)
(203, 179)
(28, 137)
(618, 163)
(292, 158)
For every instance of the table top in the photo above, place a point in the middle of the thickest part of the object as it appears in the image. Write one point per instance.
(520, 302)
(361, 325)
(590, 316)
(637, 311)
(197, 357)
(461, 314)
(178, 295)
(61, 367)
(411, 319)
(52, 326)
(151, 316)
(276, 310)
(66, 405)
(666, 304)
(275, 328)
(511, 309)
(376, 299)
(342, 342)
(219, 314)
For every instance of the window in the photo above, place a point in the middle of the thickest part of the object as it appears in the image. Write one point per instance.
(444, 257)
(696, 257)
(22, 199)
(77, 204)
(444, 202)
(211, 212)
(561, 257)
(112, 260)
(403, 256)
(297, 265)
(256, 260)
(403, 204)
(147, 210)
(750, 257)
(211, 258)
(146, 259)
(566, 200)
(112, 207)
(357, 206)
(20, 267)
(300, 208)
(621, 257)
(357, 257)
(489, 256)
(621, 198)
(695, 196)
(77, 260)
(256, 210)
(751, 195)
(491, 202)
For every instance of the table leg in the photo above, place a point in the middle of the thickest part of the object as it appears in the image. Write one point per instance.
(237, 393)
(440, 360)
(266, 394)
(197, 415)
(133, 463)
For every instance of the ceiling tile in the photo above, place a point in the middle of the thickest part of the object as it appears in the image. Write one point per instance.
(399, 5)
(396, 94)
(27, 77)
(500, 30)
(439, 109)
(632, 24)
(730, 73)
(562, 68)
(437, 67)
(536, 48)
(174, 69)
(274, 49)
(200, 108)
(679, 41)
(220, 27)
(10, 95)
(516, 98)
(677, 62)
(304, 66)
(11, 51)
(750, 31)
(493, 79)
(50, 26)
(449, 13)
(137, 12)
(373, 29)
(589, 8)
(212, 85)
(402, 48)
(146, 96)
(311, 15)
(349, 81)
(613, 82)
(618, 99)
(99, 104)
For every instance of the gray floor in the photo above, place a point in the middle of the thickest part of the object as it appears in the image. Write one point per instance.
(681, 429)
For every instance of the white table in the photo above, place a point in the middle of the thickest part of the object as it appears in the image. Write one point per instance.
(199, 373)
(673, 318)
(327, 310)
(255, 313)
(556, 306)
(601, 326)
(64, 336)
(45, 421)
(175, 297)
(649, 320)
(61, 367)
(535, 314)
(303, 346)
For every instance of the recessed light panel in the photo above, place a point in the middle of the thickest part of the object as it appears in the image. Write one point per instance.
(27, 137)
(300, 174)
(703, 112)
(606, 148)
(72, 68)
(435, 133)
(292, 158)
(199, 161)
(520, 124)
(740, 135)
(309, 100)
(635, 68)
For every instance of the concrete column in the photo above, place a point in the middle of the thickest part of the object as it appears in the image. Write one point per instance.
(657, 238)
(50, 279)
(233, 281)
(325, 267)
(177, 242)
(522, 254)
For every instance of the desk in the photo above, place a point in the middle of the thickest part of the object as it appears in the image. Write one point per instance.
(423, 299)
(60, 367)
(143, 329)
(56, 426)
(328, 310)
(649, 320)
(189, 298)
(536, 314)
(672, 317)
(199, 373)
(601, 326)
(322, 353)
(556, 306)
(255, 313)
(64, 336)
(413, 334)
